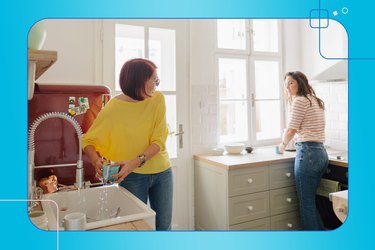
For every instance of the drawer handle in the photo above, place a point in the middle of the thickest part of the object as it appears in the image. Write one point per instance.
(288, 175)
(251, 208)
(290, 225)
(250, 180)
(289, 200)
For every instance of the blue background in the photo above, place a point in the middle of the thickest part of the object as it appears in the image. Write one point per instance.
(17, 17)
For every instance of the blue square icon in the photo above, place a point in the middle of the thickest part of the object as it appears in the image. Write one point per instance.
(319, 18)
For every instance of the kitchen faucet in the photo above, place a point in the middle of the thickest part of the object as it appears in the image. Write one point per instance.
(31, 151)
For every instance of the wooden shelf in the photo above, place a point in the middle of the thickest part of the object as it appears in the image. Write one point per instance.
(44, 60)
(38, 62)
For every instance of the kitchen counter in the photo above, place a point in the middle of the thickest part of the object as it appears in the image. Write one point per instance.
(261, 156)
(253, 191)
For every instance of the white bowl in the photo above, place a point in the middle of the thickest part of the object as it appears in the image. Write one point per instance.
(234, 148)
(217, 151)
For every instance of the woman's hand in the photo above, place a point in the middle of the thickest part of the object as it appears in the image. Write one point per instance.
(98, 165)
(126, 167)
(282, 148)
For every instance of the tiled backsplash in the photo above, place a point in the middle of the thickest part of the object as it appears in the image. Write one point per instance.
(204, 99)
(335, 97)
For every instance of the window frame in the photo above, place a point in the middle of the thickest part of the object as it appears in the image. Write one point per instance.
(235, 56)
(250, 55)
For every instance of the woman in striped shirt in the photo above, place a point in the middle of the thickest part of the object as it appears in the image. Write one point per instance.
(307, 125)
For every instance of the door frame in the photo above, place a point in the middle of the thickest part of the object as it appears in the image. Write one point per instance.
(182, 166)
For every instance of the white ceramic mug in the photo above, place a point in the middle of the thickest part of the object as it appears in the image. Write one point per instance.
(75, 221)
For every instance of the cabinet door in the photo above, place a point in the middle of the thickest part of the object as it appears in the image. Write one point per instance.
(261, 224)
(288, 221)
(283, 200)
(248, 207)
(281, 175)
(249, 180)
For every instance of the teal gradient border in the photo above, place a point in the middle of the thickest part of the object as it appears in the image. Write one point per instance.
(17, 17)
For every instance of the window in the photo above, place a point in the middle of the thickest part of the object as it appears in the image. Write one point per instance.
(233, 99)
(158, 45)
(231, 34)
(248, 63)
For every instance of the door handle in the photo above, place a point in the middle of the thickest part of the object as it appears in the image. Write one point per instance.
(180, 134)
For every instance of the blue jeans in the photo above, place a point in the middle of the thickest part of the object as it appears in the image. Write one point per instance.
(310, 164)
(158, 189)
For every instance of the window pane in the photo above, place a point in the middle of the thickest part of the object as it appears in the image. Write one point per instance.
(267, 80)
(233, 121)
(265, 35)
(162, 51)
(268, 120)
(170, 102)
(129, 43)
(231, 34)
(232, 78)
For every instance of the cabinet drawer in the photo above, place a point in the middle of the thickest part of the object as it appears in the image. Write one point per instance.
(248, 207)
(246, 181)
(261, 224)
(283, 200)
(288, 221)
(281, 175)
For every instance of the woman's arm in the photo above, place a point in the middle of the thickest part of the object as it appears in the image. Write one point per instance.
(128, 166)
(287, 136)
(95, 159)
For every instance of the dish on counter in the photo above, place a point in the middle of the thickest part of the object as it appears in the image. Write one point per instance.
(234, 148)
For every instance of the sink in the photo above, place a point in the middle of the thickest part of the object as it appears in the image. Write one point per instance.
(104, 206)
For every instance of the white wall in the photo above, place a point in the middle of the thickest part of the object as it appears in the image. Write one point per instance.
(291, 29)
(333, 44)
(203, 88)
(74, 40)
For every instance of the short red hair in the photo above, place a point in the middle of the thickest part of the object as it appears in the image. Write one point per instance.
(134, 75)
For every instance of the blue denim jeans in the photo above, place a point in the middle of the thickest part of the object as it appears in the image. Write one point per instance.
(158, 189)
(310, 164)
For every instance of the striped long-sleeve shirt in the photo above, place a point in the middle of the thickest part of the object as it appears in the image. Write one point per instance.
(308, 120)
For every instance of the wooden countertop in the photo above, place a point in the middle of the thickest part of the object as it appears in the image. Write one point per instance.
(261, 156)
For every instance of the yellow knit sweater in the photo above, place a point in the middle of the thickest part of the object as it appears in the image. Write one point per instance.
(123, 130)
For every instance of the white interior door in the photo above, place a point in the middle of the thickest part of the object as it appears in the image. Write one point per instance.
(165, 42)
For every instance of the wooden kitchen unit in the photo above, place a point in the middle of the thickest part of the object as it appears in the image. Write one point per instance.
(246, 192)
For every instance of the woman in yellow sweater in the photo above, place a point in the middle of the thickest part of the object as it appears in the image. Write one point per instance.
(131, 131)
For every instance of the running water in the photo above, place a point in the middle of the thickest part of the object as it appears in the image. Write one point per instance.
(103, 205)
(82, 205)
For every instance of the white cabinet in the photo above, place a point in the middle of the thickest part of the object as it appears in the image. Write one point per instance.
(250, 198)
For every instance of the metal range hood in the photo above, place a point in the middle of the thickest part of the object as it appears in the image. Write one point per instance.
(338, 72)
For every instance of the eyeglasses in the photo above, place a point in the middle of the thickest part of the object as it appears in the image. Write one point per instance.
(157, 81)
